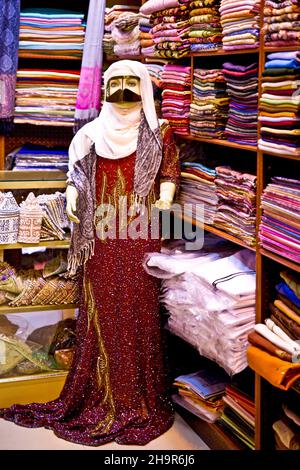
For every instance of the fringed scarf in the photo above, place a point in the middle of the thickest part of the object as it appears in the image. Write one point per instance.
(83, 177)
(89, 91)
(9, 45)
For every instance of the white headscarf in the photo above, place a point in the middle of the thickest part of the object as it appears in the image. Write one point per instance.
(115, 131)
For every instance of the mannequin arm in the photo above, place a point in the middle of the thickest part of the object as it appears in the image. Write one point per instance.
(167, 192)
(72, 196)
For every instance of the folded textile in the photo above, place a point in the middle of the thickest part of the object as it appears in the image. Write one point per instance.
(281, 23)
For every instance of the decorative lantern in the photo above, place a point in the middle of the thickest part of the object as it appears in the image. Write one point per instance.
(9, 218)
(31, 216)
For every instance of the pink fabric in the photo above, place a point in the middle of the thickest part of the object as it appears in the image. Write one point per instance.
(88, 95)
(155, 5)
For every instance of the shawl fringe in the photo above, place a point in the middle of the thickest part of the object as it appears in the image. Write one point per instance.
(75, 260)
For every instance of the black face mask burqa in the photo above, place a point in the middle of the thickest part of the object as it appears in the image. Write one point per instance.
(118, 90)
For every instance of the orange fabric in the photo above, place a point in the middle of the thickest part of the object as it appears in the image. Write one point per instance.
(281, 374)
(287, 311)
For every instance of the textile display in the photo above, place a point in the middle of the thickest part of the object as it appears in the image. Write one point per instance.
(197, 186)
(126, 34)
(279, 230)
(280, 104)
(111, 15)
(209, 106)
(37, 157)
(31, 216)
(49, 33)
(201, 392)
(205, 27)
(9, 25)
(240, 24)
(236, 210)
(281, 23)
(176, 97)
(287, 428)
(242, 89)
(46, 97)
(147, 43)
(55, 223)
(89, 90)
(209, 293)
(9, 218)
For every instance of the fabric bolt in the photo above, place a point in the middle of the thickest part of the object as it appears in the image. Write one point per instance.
(205, 30)
(9, 24)
(281, 23)
(124, 20)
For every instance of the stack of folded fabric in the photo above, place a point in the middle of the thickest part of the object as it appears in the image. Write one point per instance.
(281, 23)
(238, 416)
(236, 211)
(155, 71)
(210, 297)
(280, 225)
(147, 43)
(38, 157)
(177, 97)
(126, 34)
(209, 107)
(201, 392)
(111, 15)
(242, 89)
(170, 27)
(46, 96)
(275, 348)
(32, 287)
(240, 24)
(205, 27)
(55, 220)
(287, 428)
(280, 104)
(198, 189)
(51, 34)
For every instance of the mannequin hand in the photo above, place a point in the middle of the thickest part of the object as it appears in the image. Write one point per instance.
(167, 191)
(72, 196)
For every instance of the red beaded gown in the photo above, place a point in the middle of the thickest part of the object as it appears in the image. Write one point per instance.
(116, 388)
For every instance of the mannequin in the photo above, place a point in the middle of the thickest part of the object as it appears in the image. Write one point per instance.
(116, 388)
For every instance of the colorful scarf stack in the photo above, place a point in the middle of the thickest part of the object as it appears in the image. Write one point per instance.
(275, 346)
(48, 33)
(46, 96)
(236, 213)
(209, 107)
(240, 24)
(176, 97)
(155, 71)
(205, 28)
(38, 157)
(197, 186)
(126, 34)
(170, 27)
(9, 26)
(147, 43)
(242, 89)
(111, 15)
(55, 220)
(280, 104)
(282, 23)
(280, 225)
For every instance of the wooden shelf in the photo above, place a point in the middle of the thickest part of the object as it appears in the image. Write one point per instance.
(211, 433)
(279, 259)
(282, 49)
(7, 310)
(49, 244)
(44, 376)
(216, 231)
(283, 155)
(32, 179)
(222, 52)
(224, 143)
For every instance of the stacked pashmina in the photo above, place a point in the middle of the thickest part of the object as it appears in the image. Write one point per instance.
(238, 415)
(55, 223)
(240, 24)
(147, 43)
(209, 107)
(176, 83)
(51, 34)
(170, 27)
(242, 89)
(280, 104)
(282, 23)
(126, 34)
(236, 212)
(46, 96)
(280, 225)
(275, 345)
(155, 71)
(205, 28)
(111, 15)
(38, 157)
(197, 186)
(210, 297)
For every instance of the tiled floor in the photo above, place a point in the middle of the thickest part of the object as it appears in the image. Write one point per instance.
(179, 437)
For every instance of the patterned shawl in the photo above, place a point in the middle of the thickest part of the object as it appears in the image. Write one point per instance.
(9, 44)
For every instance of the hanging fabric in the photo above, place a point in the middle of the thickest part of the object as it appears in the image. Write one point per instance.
(9, 44)
(89, 91)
